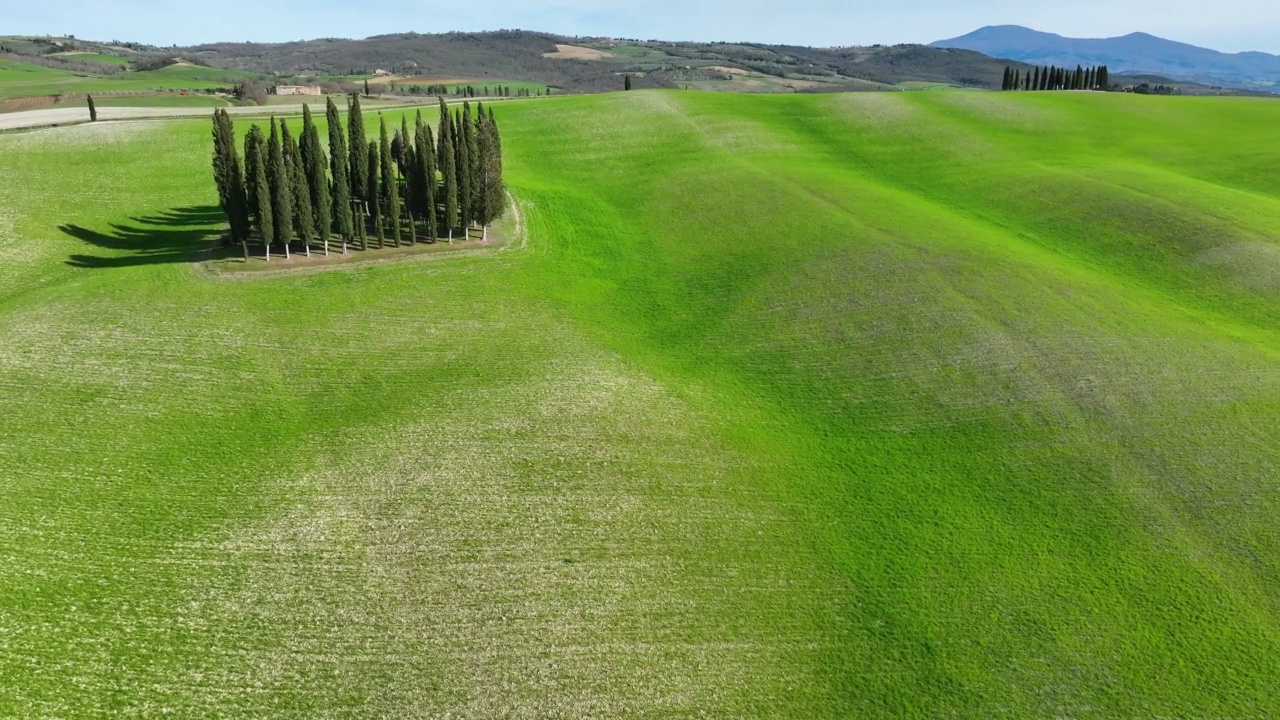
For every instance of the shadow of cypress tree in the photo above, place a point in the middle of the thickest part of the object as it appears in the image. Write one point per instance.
(172, 236)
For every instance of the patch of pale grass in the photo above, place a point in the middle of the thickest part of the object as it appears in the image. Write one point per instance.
(557, 548)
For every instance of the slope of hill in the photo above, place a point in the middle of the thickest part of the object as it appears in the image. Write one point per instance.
(872, 405)
(537, 57)
(1134, 53)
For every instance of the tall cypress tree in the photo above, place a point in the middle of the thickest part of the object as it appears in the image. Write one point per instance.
(313, 163)
(260, 187)
(359, 152)
(281, 193)
(426, 169)
(406, 147)
(251, 145)
(1104, 78)
(472, 124)
(340, 169)
(303, 221)
(1035, 83)
(375, 207)
(390, 185)
(493, 193)
(229, 178)
(466, 204)
(448, 170)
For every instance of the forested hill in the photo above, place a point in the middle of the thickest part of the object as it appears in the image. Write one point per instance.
(597, 64)
(1134, 53)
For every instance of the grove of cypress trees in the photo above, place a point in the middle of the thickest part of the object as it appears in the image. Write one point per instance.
(281, 193)
(359, 152)
(340, 169)
(303, 220)
(390, 185)
(375, 207)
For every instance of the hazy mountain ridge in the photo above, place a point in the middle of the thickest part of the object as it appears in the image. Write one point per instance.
(1133, 53)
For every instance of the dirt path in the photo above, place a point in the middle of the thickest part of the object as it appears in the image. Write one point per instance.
(49, 117)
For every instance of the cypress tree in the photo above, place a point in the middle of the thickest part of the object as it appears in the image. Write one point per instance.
(1104, 78)
(463, 161)
(626, 82)
(448, 170)
(477, 162)
(375, 207)
(426, 200)
(492, 190)
(229, 178)
(251, 145)
(303, 220)
(313, 163)
(390, 185)
(281, 194)
(93, 110)
(259, 187)
(406, 147)
(340, 169)
(359, 165)
(1035, 84)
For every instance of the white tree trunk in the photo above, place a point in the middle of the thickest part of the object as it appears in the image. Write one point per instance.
(268, 252)
(344, 246)
(286, 250)
(326, 247)
(306, 247)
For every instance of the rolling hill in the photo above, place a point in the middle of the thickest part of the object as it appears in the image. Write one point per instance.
(870, 405)
(1136, 53)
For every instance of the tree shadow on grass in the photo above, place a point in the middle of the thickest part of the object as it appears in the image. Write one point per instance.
(174, 236)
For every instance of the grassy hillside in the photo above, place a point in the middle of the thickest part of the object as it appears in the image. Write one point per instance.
(874, 405)
(21, 79)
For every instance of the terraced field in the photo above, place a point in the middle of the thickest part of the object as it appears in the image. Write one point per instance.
(873, 405)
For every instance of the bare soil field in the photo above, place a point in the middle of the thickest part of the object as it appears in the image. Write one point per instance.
(577, 52)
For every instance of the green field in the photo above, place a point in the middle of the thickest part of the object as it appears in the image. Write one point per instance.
(94, 57)
(939, 404)
(18, 79)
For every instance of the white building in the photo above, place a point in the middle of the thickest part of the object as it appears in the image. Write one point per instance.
(298, 90)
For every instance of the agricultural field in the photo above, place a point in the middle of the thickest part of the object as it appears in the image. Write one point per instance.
(23, 80)
(938, 404)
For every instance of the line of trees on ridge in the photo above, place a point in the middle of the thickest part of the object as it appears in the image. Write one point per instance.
(1056, 78)
(406, 186)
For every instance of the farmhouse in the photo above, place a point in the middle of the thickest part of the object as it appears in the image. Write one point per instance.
(298, 90)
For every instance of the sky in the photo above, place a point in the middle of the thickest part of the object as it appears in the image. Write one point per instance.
(1227, 25)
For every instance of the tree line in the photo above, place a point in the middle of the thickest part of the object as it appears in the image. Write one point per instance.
(1056, 78)
(469, 91)
(409, 185)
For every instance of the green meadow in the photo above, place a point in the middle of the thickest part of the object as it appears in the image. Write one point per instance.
(945, 404)
(19, 79)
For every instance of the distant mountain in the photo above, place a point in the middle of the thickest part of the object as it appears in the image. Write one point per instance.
(1135, 53)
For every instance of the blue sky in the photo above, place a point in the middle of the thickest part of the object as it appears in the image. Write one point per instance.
(1229, 25)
